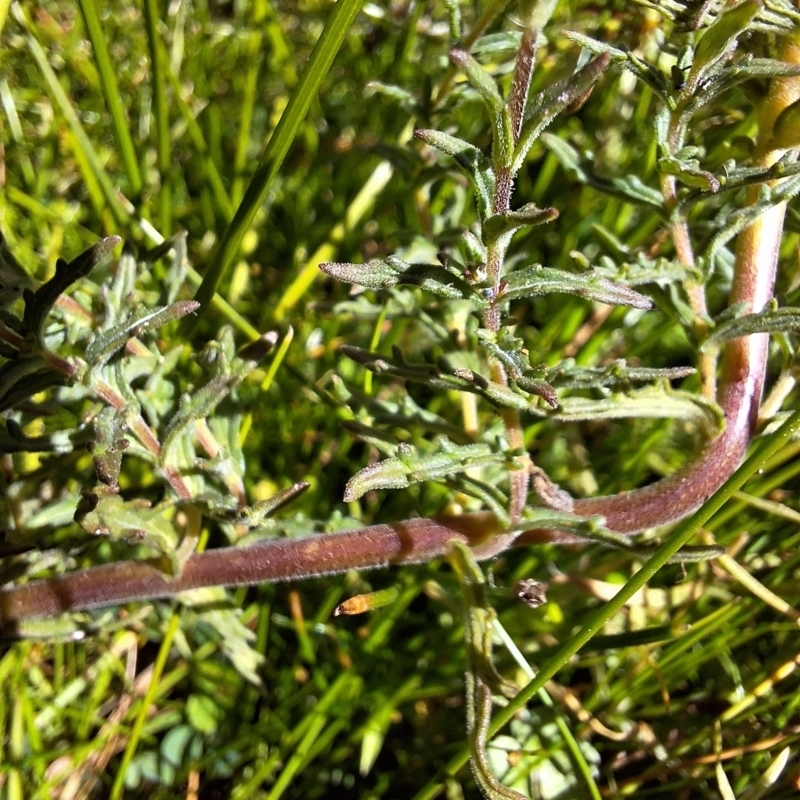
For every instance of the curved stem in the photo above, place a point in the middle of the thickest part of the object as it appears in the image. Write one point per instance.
(744, 362)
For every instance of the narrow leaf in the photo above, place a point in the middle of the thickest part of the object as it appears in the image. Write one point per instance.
(646, 72)
(656, 402)
(689, 173)
(410, 467)
(538, 280)
(470, 159)
(480, 80)
(771, 321)
(569, 375)
(140, 320)
(555, 100)
(393, 271)
(443, 377)
(629, 188)
(529, 215)
(719, 40)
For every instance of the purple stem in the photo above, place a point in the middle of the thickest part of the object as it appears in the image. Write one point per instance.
(408, 542)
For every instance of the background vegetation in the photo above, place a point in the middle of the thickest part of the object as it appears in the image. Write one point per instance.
(689, 689)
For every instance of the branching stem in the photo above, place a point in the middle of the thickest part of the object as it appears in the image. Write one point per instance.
(418, 540)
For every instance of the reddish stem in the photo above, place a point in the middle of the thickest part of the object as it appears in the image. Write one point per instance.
(408, 542)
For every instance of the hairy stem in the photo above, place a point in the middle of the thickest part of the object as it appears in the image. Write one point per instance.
(695, 291)
(496, 252)
(408, 542)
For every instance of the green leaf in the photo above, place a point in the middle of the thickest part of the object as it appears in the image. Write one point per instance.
(743, 69)
(498, 225)
(630, 188)
(480, 80)
(235, 639)
(442, 376)
(641, 271)
(393, 271)
(689, 173)
(203, 713)
(134, 522)
(646, 72)
(649, 402)
(139, 320)
(199, 404)
(538, 280)
(176, 742)
(510, 352)
(469, 158)
(569, 375)
(770, 321)
(719, 40)
(409, 467)
(553, 101)
(739, 218)
(402, 97)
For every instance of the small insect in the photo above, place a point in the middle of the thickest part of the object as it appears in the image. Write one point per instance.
(362, 603)
(531, 592)
(678, 77)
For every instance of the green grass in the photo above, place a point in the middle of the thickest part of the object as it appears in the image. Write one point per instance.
(224, 121)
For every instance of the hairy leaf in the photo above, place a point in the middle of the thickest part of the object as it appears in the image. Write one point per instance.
(649, 402)
(410, 467)
(538, 280)
(138, 321)
(498, 225)
(770, 321)
(719, 40)
(553, 101)
(393, 271)
(630, 187)
(470, 159)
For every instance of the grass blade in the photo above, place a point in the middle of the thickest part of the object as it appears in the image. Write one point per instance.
(316, 69)
(108, 83)
(82, 142)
